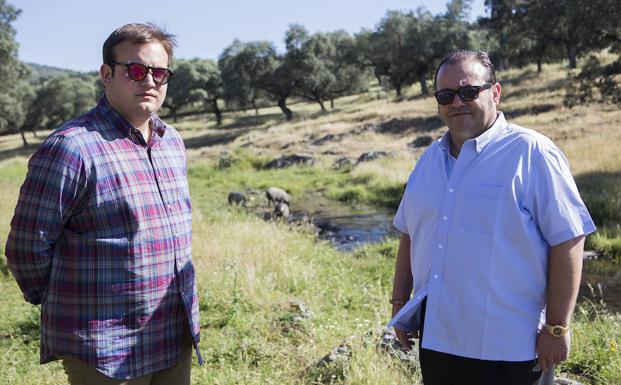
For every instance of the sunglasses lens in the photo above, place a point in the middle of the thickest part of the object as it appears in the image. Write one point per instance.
(137, 71)
(445, 96)
(160, 75)
(468, 93)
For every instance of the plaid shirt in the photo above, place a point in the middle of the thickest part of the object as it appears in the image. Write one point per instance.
(101, 238)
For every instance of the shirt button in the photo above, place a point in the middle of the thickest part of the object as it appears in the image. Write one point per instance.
(435, 276)
(440, 245)
(445, 218)
(451, 189)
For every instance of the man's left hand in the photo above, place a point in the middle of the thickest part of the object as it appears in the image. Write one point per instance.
(552, 350)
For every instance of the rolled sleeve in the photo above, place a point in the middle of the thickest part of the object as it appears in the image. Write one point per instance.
(47, 198)
(556, 203)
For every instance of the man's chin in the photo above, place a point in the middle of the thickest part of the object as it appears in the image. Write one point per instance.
(149, 108)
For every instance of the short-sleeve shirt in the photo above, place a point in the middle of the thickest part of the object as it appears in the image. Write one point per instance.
(481, 227)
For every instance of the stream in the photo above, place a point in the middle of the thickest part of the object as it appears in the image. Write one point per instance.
(350, 227)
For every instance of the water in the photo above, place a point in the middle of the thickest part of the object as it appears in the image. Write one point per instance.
(345, 226)
(356, 226)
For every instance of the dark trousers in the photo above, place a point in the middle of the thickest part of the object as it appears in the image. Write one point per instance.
(446, 369)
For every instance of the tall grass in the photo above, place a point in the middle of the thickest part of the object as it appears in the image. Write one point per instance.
(275, 300)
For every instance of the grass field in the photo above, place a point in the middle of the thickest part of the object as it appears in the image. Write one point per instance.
(274, 299)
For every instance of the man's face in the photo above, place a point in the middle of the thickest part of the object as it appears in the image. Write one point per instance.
(467, 118)
(135, 100)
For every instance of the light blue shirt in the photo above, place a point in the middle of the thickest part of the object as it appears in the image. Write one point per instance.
(481, 228)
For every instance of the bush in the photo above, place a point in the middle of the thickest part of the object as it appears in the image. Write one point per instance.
(595, 83)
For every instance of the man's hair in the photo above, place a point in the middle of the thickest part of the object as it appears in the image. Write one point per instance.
(461, 55)
(138, 33)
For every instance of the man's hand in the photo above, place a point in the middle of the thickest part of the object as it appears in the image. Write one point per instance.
(552, 350)
(405, 338)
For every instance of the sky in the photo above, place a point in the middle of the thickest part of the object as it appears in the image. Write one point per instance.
(70, 33)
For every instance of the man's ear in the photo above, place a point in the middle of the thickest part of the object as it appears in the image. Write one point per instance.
(105, 71)
(496, 92)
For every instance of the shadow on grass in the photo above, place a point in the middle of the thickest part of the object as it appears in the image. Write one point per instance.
(248, 121)
(212, 139)
(28, 331)
(20, 151)
(550, 86)
(530, 110)
(601, 192)
(399, 126)
(527, 74)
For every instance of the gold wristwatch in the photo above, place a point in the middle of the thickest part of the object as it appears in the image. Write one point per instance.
(556, 330)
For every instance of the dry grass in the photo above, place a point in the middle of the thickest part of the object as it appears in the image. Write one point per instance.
(253, 276)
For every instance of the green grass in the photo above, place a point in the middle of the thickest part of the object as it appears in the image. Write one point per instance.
(273, 299)
(596, 345)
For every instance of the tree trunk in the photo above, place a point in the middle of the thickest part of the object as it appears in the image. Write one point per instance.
(571, 56)
(254, 105)
(323, 108)
(422, 79)
(217, 112)
(21, 131)
(173, 112)
(331, 103)
(539, 64)
(397, 88)
(282, 103)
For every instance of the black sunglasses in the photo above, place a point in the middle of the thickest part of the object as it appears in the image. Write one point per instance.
(137, 72)
(466, 93)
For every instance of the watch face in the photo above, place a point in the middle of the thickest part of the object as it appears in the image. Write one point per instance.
(557, 332)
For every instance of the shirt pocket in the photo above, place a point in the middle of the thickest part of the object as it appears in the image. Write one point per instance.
(480, 208)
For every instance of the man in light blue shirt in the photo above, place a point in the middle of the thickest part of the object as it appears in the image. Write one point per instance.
(490, 259)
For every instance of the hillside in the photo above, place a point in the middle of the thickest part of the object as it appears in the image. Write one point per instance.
(41, 71)
(277, 305)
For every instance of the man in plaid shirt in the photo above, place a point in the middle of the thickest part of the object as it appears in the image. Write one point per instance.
(101, 235)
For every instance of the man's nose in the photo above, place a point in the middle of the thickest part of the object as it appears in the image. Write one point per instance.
(457, 101)
(148, 80)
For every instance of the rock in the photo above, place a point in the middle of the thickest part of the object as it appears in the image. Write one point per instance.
(340, 353)
(343, 162)
(301, 218)
(421, 141)
(371, 155)
(326, 139)
(290, 160)
(226, 160)
(391, 345)
(300, 310)
(325, 226)
(394, 126)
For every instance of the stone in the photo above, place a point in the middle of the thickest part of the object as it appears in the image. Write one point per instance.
(290, 160)
(371, 155)
(421, 141)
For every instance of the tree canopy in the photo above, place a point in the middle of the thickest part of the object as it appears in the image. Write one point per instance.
(403, 48)
(14, 91)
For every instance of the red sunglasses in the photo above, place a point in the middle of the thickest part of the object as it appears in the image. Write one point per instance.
(137, 72)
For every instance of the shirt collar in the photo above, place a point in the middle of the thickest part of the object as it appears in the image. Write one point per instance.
(445, 143)
(480, 141)
(488, 135)
(127, 129)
